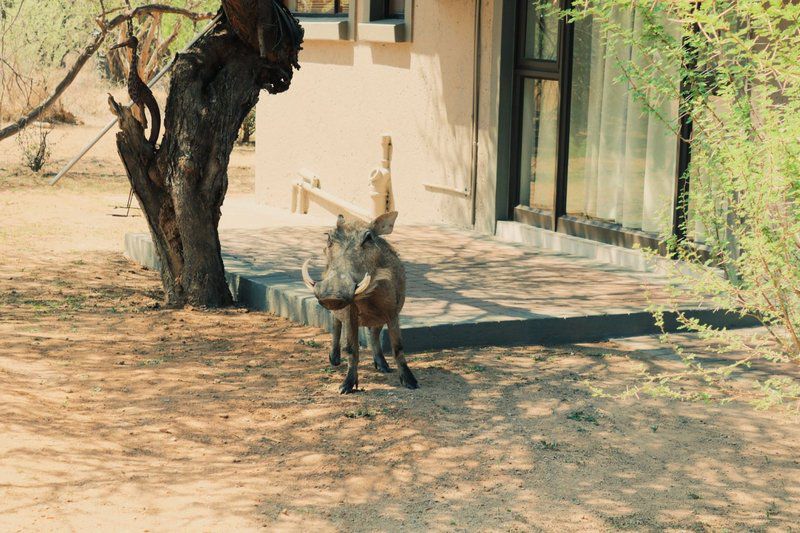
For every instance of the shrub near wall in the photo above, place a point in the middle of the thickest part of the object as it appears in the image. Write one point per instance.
(741, 80)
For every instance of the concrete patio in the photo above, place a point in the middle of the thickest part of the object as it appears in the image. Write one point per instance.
(464, 289)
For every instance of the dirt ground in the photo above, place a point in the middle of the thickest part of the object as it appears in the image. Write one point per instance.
(118, 414)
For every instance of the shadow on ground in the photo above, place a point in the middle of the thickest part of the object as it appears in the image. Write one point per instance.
(115, 411)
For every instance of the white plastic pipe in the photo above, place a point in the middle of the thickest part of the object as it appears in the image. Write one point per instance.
(345, 207)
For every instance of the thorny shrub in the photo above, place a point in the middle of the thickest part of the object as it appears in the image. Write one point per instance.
(738, 83)
(34, 146)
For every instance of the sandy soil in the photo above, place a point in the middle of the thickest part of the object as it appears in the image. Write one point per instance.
(118, 414)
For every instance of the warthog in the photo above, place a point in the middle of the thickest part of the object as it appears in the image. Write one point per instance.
(364, 284)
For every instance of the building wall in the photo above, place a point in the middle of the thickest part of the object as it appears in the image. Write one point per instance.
(350, 92)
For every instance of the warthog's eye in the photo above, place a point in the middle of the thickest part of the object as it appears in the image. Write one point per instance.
(366, 238)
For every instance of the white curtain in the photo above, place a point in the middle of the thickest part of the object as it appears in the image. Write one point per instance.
(622, 158)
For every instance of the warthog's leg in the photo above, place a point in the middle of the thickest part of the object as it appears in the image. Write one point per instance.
(406, 377)
(335, 357)
(377, 350)
(350, 382)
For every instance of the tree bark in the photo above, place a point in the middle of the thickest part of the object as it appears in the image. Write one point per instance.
(182, 184)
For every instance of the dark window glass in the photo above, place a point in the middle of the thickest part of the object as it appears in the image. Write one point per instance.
(319, 7)
(395, 8)
(541, 31)
(537, 163)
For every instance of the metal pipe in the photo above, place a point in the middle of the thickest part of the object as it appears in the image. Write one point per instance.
(476, 101)
(110, 125)
(444, 188)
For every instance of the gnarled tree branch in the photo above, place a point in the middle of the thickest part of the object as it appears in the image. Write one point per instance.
(89, 51)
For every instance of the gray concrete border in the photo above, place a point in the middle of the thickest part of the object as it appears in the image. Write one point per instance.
(284, 295)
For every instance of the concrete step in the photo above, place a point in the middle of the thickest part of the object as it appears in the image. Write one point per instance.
(464, 289)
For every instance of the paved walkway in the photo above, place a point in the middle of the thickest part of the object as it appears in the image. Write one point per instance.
(463, 288)
(458, 276)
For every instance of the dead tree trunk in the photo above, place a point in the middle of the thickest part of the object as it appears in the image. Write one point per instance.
(182, 184)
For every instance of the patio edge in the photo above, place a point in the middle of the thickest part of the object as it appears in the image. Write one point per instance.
(287, 297)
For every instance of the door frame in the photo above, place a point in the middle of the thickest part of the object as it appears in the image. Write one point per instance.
(545, 70)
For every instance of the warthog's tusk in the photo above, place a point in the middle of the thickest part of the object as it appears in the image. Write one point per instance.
(364, 284)
(307, 277)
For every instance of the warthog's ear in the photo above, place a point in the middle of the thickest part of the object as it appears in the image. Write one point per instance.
(384, 224)
(340, 221)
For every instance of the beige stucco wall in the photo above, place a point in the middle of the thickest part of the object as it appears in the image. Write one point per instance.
(349, 92)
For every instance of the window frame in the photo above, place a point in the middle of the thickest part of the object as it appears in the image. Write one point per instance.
(377, 25)
(524, 68)
(329, 26)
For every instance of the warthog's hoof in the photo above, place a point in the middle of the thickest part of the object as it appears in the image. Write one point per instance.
(348, 386)
(408, 380)
(335, 357)
(382, 366)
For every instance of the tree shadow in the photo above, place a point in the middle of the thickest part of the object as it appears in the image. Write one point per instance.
(205, 419)
(458, 276)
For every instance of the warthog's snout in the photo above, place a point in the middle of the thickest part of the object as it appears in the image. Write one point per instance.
(336, 290)
(334, 304)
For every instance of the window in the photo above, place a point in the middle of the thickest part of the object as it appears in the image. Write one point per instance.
(319, 7)
(538, 97)
(385, 9)
(324, 20)
(541, 32)
(589, 158)
(387, 21)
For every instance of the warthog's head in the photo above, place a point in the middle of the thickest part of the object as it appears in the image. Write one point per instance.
(354, 256)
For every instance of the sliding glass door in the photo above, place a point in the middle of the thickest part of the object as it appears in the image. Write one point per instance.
(590, 160)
